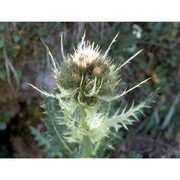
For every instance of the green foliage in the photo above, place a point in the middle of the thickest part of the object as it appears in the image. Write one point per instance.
(131, 155)
(158, 60)
(42, 141)
(15, 40)
(4, 119)
(4, 153)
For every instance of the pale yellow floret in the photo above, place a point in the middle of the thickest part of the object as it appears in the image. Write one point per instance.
(85, 54)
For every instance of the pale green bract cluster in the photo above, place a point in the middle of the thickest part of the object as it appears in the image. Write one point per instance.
(78, 117)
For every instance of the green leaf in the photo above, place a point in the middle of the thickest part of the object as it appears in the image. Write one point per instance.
(125, 117)
(16, 38)
(170, 113)
(4, 117)
(1, 43)
(177, 155)
(42, 141)
(2, 126)
(3, 74)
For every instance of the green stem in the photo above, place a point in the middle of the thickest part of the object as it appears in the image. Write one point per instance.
(86, 145)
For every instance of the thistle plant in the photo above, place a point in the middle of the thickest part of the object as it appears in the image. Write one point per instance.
(78, 114)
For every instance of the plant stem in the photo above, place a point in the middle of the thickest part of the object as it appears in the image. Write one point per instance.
(86, 145)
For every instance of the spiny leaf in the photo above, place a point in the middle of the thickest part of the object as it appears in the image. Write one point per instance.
(131, 58)
(50, 122)
(138, 85)
(42, 91)
(42, 141)
(125, 118)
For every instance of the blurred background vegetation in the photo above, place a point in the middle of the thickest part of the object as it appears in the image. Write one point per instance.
(23, 60)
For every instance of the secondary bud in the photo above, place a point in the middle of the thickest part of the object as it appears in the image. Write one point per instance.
(97, 70)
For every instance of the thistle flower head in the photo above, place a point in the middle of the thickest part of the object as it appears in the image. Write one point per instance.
(88, 74)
